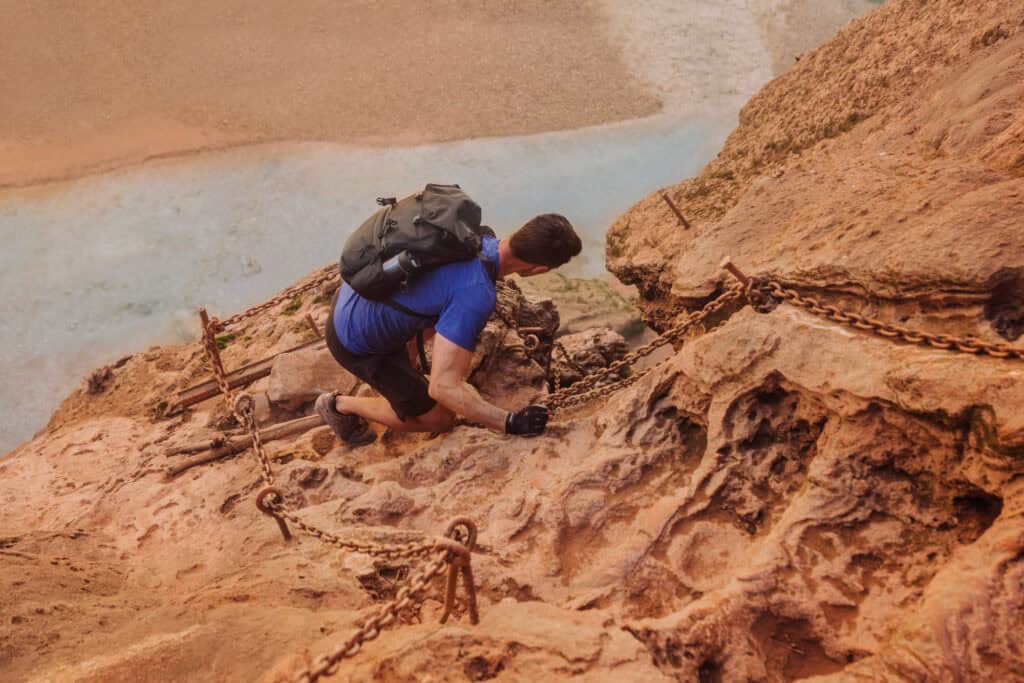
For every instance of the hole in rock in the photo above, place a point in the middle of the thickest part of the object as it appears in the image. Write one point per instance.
(229, 503)
(976, 511)
(1005, 308)
(709, 672)
(762, 438)
(383, 582)
(773, 396)
(481, 668)
(790, 649)
(693, 436)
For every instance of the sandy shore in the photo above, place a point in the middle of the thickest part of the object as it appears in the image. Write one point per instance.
(89, 87)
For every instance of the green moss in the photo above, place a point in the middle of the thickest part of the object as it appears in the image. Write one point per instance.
(224, 339)
(567, 284)
(295, 305)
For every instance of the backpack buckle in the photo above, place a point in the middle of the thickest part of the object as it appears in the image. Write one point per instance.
(386, 201)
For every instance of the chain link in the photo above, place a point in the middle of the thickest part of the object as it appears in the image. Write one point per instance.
(572, 400)
(553, 373)
(327, 274)
(966, 344)
(455, 554)
(406, 551)
(246, 406)
(590, 387)
(327, 664)
(243, 407)
(508, 313)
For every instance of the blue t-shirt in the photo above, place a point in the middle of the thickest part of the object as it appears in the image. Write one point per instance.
(461, 295)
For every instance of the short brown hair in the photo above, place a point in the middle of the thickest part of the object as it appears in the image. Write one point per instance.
(545, 240)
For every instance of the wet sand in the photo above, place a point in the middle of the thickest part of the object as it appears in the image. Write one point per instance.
(90, 86)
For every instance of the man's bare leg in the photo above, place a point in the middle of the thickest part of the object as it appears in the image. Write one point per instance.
(437, 419)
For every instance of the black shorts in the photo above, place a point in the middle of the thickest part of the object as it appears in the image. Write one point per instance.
(391, 374)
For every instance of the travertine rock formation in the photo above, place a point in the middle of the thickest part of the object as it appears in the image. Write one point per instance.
(586, 352)
(887, 163)
(781, 499)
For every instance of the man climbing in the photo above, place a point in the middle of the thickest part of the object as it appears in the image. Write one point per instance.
(373, 338)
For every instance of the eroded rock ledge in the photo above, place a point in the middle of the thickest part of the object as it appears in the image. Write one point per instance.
(887, 163)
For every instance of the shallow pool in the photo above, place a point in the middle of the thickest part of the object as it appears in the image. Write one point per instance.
(108, 265)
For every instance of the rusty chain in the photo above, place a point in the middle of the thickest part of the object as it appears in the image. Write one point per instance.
(327, 274)
(327, 664)
(271, 501)
(509, 315)
(590, 386)
(575, 399)
(243, 407)
(554, 374)
(764, 294)
(946, 342)
(454, 553)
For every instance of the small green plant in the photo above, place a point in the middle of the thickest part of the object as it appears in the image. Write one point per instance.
(224, 339)
(567, 284)
(295, 305)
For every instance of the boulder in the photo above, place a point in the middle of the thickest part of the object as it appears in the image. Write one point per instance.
(586, 352)
(300, 376)
(504, 370)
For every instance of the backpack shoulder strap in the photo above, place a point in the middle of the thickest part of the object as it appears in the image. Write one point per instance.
(490, 267)
(424, 364)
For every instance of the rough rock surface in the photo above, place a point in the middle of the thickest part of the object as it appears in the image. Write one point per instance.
(586, 304)
(300, 376)
(586, 352)
(887, 163)
(781, 499)
(504, 370)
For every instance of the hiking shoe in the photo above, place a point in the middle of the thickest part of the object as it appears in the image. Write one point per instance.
(351, 429)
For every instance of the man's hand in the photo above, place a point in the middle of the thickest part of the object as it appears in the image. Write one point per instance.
(530, 421)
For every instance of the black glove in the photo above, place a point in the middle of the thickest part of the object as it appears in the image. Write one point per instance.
(530, 421)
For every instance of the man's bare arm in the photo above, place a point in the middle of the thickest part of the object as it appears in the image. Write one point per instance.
(448, 385)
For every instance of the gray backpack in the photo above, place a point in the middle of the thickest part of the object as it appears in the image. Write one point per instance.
(409, 236)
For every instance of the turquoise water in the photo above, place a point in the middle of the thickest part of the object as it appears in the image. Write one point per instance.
(105, 266)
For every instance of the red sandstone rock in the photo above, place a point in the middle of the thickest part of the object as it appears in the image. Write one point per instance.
(783, 498)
